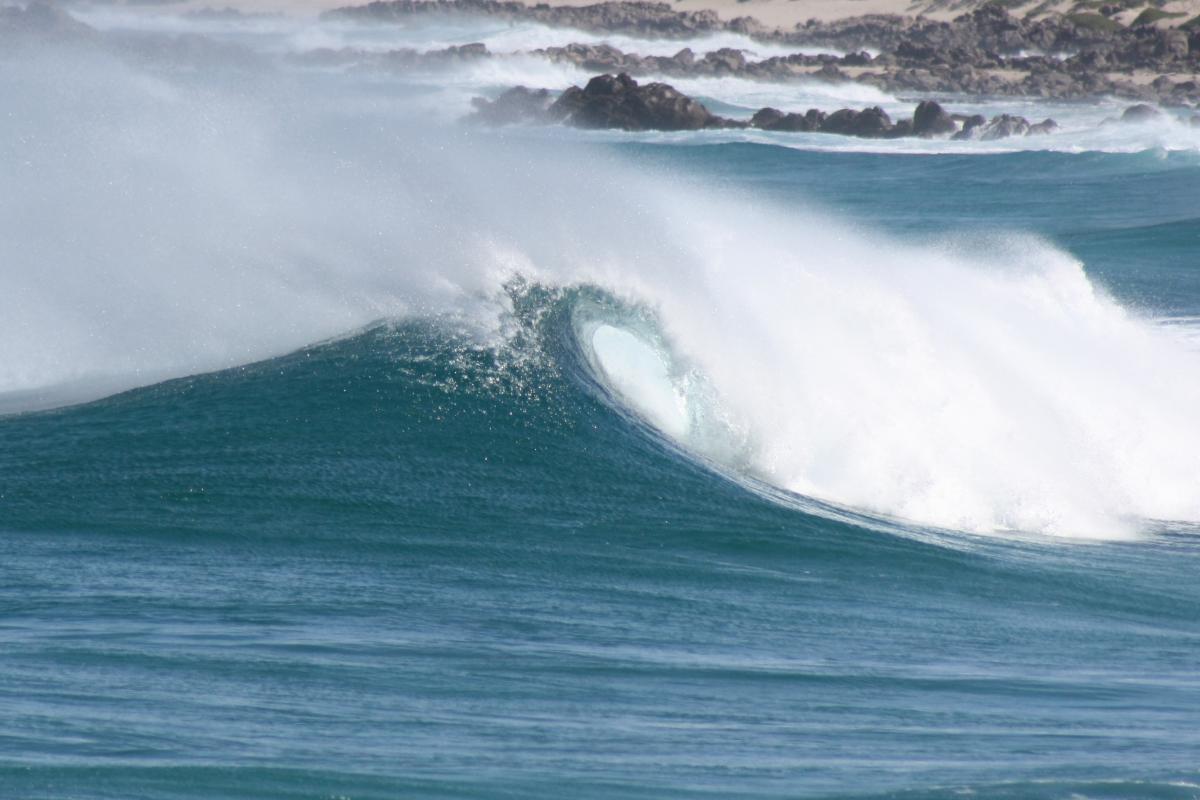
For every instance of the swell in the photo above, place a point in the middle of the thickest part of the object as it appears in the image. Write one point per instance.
(964, 380)
(357, 542)
(185, 783)
(409, 438)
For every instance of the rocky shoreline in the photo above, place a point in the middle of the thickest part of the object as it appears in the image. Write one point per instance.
(619, 102)
(987, 51)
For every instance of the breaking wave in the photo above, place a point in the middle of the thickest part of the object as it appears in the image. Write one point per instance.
(157, 228)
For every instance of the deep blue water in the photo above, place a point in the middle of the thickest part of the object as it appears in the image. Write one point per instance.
(399, 565)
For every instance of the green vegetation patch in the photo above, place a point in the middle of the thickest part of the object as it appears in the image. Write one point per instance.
(1153, 15)
(1094, 22)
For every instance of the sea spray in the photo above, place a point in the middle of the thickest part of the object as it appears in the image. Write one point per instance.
(157, 226)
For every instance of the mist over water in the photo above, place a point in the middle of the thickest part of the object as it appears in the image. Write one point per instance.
(347, 450)
(157, 224)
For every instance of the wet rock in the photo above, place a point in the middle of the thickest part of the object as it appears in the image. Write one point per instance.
(930, 119)
(830, 72)
(1041, 128)
(1002, 127)
(1140, 113)
(620, 102)
(726, 60)
(868, 123)
(772, 119)
(970, 126)
(517, 105)
(684, 58)
(767, 118)
(610, 101)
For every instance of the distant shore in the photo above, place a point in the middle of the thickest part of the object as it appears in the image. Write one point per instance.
(987, 51)
(1069, 50)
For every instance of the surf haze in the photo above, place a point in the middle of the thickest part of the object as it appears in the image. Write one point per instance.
(394, 432)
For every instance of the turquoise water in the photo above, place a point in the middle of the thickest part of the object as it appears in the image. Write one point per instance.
(881, 482)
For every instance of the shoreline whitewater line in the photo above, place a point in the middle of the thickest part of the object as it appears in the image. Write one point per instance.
(985, 52)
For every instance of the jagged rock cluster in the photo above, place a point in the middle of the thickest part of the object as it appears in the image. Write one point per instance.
(620, 102)
(606, 102)
(990, 36)
(929, 120)
(686, 64)
(985, 52)
(1057, 56)
(1039, 76)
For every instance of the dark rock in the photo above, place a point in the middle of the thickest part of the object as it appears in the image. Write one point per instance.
(1043, 127)
(830, 72)
(619, 102)
(1140, 113)
(772, 119)
(930, 119)
(684, 58)
(726, 60)
(749, 26)
(518, 104)
(1002, 127)
(1173, 44)
(999, 127)
(766, 118)
(870, 123)
(472, 50)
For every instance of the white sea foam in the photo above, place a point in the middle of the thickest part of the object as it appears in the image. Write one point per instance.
(1083, 127)
(987, 386)
(641, 373)
(152, 228)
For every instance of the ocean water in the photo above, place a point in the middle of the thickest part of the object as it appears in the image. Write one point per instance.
(349, 452)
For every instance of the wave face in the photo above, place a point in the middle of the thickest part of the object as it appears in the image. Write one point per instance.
(978, 383)
(402, 564)
(344, 452)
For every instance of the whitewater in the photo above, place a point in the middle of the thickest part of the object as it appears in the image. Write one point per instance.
(346, 449)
